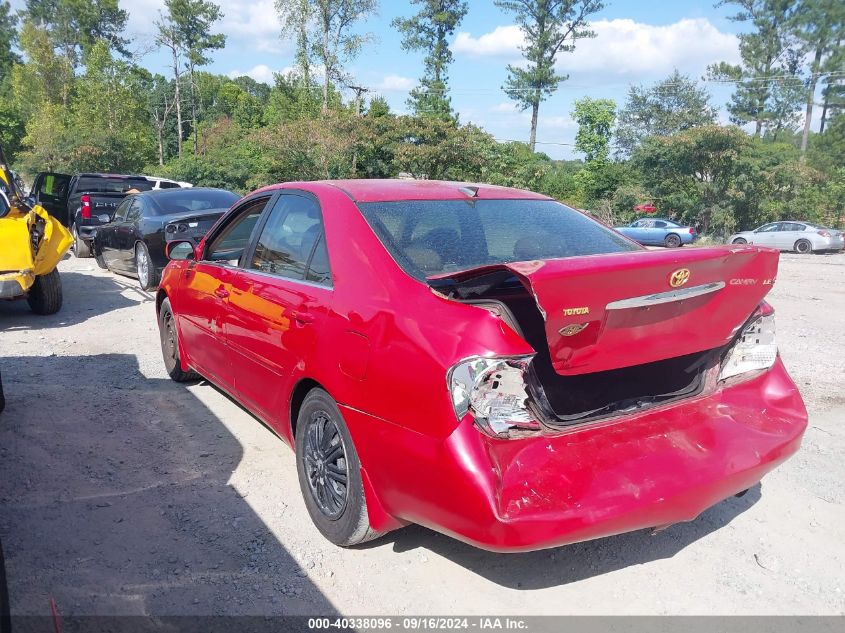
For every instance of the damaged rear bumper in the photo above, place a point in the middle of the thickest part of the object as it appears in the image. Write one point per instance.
(662, 466)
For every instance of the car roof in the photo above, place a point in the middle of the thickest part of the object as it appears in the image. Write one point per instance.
(395, 189)
(164, 193)
(102, 175)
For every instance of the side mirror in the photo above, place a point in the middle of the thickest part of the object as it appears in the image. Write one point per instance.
(180, 251)
(5, 205)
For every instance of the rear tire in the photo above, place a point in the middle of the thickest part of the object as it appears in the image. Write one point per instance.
(169, 336)
(81, 248)
(803, 247)
(148, 276)
(740, 240)
(101, 262)
(672, 241)
(45, 296)
(330, 472)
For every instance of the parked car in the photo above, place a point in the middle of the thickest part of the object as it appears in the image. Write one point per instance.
(658, 232)
(31, 246)
(482, 360)
(801, 237)
(166, 183)
(84, 202)
(132, 242)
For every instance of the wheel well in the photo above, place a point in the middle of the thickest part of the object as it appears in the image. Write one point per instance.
(161, 295)
(668, 235)
(296, 399)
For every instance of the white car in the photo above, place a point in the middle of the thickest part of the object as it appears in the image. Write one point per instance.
(166, 183)
(801, 237)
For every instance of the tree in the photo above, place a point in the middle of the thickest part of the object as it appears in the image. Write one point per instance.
(169, 37)
(8, 39)
(429, 31)
(192, 22)
(768, 88)
(595, 118)
(820, 26)
(672, 105)
(324, 33)
(76, 25)
(549, 27)
(692, 172)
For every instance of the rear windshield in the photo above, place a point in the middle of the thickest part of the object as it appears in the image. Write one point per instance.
(95, 184)
(187, 200)
(431, 237)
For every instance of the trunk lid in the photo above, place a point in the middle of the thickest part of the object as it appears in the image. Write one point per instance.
(618, 310)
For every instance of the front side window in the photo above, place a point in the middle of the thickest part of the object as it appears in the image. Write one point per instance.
(291, 239)
(769, 228)
(229, 245)
(431, 237)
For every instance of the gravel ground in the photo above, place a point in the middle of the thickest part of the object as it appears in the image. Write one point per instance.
(124, 493)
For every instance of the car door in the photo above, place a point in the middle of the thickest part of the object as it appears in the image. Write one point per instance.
(106, 238)
(50, 190)
(124, 234)
(280, 298)
(767, 235)
(790, 233)
(202, 303)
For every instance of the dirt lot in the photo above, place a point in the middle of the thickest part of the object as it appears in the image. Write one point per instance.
(124, 493)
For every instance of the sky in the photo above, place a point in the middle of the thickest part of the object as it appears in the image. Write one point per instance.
(638, 42)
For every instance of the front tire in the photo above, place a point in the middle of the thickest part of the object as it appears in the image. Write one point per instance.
(169, 336)
(803, 247)
(672, 241)
(45, 296)
(81, 248)
(740, 240)
(148, 275)
(330, 472)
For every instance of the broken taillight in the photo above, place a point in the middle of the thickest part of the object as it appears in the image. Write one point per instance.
(755, 348)
(493, 390)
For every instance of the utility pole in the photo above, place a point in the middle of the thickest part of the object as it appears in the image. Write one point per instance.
(359, 90)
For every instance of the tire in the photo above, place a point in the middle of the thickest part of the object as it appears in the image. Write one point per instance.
(169, 336)
(45, 296)
(803, 247)
(81, 248)
(148, 275)
(672, 241)
(338, 511)
(740, 240)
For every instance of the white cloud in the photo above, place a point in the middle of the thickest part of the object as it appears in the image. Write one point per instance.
(253, 23)
(506, 107)
(394, 83)
(261, 72)
(621, 47)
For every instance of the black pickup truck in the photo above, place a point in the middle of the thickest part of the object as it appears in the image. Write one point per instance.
(83, 202)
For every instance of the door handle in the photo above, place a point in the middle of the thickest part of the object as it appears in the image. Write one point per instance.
(303, 318)
(221, 292)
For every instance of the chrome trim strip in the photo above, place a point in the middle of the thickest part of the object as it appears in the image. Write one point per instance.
(666, 297)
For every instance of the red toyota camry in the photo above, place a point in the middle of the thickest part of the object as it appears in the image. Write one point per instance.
(483, 361)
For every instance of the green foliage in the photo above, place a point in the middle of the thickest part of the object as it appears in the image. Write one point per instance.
(672, 105)
(595, 118)
(429, 30)
(8, 39)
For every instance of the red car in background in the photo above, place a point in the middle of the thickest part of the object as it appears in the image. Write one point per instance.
(483, 361)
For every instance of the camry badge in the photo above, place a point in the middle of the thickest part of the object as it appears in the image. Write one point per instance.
(573, 329)
(679, 277)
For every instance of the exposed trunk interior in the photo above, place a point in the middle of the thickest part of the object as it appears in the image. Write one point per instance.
(573, 399)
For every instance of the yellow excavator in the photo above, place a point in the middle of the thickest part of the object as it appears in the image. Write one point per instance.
(32, 243)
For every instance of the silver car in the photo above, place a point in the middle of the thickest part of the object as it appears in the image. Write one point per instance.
(801, 237)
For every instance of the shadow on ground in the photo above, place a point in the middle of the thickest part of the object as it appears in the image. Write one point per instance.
(84, 296)
(115, 499)
(576, 562)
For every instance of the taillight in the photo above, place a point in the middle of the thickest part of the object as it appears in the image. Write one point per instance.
(824, 233)
(85, 209)
(493, 390)
(755, 349)
(691, 231)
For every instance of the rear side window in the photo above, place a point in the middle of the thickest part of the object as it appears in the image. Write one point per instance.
(291, 239)
(431, 237)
